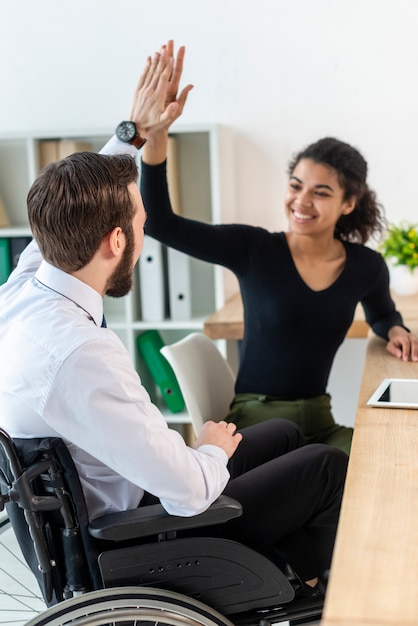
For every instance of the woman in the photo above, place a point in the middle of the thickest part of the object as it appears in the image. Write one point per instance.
(300, 288)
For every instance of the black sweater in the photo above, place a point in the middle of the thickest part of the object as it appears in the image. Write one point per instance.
(292, 333)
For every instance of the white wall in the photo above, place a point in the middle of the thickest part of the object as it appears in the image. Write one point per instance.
(281, 73)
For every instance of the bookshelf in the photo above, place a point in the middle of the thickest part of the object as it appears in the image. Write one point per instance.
(205, 191)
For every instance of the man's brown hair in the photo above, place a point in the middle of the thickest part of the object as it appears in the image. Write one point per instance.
(74, 203)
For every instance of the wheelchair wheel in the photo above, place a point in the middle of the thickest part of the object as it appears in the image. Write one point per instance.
(130, 606)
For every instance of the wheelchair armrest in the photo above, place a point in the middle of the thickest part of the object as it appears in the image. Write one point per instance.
(153, 519)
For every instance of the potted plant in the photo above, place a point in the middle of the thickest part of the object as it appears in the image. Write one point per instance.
(400, 249)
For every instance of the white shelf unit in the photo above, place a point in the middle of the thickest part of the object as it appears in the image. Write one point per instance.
(205, 157)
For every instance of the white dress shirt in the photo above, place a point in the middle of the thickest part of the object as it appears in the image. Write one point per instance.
(61, 374)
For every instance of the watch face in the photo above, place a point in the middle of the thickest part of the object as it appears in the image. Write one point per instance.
(126, 131)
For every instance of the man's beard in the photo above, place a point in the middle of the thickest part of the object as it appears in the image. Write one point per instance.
(120, 282)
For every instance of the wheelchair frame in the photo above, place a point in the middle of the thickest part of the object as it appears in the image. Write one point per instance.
(133, 555)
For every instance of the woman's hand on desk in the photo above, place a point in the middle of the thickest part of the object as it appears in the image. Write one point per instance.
(402, 344)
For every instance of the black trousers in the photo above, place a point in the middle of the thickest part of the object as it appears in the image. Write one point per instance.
(291, 495)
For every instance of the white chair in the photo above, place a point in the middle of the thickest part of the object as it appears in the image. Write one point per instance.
(206, 379)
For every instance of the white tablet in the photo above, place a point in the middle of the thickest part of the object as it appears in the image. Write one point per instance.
(396, 392)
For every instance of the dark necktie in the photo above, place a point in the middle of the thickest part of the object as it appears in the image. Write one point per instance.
(104, 325)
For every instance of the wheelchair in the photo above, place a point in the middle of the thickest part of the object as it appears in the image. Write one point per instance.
(137, 566)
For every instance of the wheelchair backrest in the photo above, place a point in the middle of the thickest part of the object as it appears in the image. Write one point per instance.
(46, 507)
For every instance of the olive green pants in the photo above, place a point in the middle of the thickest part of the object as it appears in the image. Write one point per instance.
(312, 415)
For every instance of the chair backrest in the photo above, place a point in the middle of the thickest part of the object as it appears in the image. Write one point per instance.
(205, 377)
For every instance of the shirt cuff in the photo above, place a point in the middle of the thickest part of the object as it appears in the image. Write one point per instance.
(214, 451)
(116, 146)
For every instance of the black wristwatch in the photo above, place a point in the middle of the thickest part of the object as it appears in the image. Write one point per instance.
(127, 132)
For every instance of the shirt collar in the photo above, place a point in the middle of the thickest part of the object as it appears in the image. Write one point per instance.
(72, 288)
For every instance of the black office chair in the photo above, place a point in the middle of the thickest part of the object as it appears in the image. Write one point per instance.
(139, 563)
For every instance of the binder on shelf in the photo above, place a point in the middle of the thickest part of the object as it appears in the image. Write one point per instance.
(51, 150)
(48, 152)
(152, 281)
(179, 285)
(4, 260)
(4, 218)
(149, 345)
(69, 146)
(17, 245)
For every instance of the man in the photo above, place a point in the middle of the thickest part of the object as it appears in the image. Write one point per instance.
(67, 375)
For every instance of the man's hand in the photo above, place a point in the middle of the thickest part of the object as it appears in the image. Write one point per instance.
(219, 434)
(155, 103)
(174, 82)
(402, 344)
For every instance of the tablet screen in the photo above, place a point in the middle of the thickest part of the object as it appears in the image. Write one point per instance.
(396, 392)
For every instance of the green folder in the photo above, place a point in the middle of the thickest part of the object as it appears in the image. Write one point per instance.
(149, 345)
(4, 260)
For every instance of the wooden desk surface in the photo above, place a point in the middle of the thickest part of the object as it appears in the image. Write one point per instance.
(374, 574)
(228, 322)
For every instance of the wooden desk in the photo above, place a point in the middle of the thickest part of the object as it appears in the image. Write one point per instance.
(228, 322)
(374, 575)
